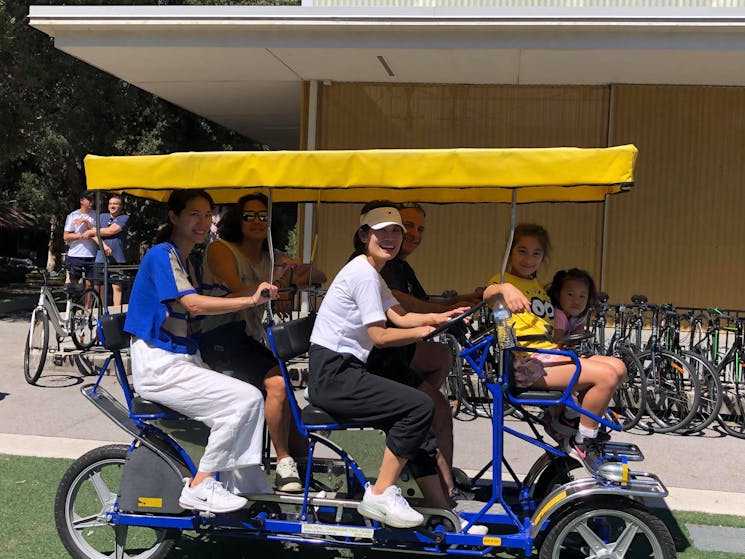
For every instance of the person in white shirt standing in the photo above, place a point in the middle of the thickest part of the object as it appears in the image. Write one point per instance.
(81, 253)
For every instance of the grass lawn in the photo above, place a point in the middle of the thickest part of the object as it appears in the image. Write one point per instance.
(27, 528)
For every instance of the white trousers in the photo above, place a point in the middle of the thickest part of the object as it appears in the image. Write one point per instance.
(232, 409)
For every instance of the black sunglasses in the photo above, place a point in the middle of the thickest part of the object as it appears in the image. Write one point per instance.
(251, 216)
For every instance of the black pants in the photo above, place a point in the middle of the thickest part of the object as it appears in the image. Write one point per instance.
(339, 384)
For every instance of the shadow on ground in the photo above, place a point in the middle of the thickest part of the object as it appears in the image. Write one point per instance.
(679, 537)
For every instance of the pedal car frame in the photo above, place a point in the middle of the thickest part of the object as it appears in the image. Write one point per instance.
(151, 468)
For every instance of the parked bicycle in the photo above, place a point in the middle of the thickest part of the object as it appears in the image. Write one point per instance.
(673, 389)
(730, 369)
(79, 319)
(671, 338)
(630, 400)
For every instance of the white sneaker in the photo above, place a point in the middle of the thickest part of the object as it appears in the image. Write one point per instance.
(475, 530)
(389, 507)
(210, 496)
(287, 477)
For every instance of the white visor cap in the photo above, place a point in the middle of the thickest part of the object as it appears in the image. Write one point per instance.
(379, 218)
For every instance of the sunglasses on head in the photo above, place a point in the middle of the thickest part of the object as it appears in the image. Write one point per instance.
(251, 216)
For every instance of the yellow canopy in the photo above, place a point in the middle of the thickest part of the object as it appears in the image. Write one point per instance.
(421, 175)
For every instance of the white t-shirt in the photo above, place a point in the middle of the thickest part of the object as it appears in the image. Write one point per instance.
(357, 297)
(84, 248)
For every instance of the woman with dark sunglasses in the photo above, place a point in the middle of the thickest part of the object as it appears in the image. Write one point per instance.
(237, 262)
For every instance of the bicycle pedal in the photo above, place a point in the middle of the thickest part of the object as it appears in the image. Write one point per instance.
(623, 450)
(58, 359)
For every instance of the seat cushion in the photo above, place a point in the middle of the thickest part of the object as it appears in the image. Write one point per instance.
(141, 406)
(316, 416)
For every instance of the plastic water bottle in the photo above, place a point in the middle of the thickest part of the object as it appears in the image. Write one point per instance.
(502, 314)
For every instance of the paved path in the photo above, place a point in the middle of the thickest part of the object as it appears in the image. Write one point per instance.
(703, 472)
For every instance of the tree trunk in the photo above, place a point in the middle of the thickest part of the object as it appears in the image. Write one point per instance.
(53, 247)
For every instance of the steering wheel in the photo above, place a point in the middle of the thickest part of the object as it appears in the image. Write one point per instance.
(453, 321)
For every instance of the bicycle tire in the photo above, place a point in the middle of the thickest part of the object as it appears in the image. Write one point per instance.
(452, 387)
(710, 402)
(629, 402)
(83, 319)
(35, 353)
(86, 492)
(452, 390)
(673, 391)
(732, 414)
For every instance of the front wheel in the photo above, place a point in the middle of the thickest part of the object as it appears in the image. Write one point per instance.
(86, 495)
(83, 319)
(673, 390)
(608, 527)
(37, 345)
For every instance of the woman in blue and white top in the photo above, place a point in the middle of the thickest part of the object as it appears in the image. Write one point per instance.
(351, 320)
(165, 311)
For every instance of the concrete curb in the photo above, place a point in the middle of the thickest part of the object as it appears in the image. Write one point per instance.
(680, 499)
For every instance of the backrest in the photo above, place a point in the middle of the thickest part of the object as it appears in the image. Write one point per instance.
(111, 332)
(290, 339)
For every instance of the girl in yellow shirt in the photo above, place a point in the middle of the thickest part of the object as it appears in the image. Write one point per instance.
(599, 378)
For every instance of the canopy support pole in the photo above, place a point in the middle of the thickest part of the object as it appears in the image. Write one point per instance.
(308, 229)
(99, 240)
(513, 217)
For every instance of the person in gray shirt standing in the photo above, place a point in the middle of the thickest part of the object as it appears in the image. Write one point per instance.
(82, 250)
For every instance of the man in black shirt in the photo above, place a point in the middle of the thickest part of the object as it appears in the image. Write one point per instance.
(423, 365)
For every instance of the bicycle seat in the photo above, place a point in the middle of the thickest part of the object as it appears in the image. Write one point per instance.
(143, 407)
(313, 415)
(111, 332)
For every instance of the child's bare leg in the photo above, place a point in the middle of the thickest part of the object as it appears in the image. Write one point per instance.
(597, 379)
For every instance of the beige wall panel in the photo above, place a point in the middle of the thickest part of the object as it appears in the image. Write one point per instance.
(464, 243)
(679, 235)
(360, 116)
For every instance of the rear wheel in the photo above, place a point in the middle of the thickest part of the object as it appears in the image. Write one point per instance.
(710, 402)
(629, 402)
(84, 317)
(732, 416)
(673, 390)
(86, 495)
(37, 345)
(607, 527)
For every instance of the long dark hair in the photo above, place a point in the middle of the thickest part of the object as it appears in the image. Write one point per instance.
(229, 228)
(177, 201)
(359, 246)
(562, 276)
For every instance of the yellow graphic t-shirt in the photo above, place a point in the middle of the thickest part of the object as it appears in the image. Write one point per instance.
(540, 321)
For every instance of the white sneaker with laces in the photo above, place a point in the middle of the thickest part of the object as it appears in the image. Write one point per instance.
(389, 507)
(210, 496)
(287, 477)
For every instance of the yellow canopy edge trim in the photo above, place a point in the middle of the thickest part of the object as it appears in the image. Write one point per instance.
(439, 176)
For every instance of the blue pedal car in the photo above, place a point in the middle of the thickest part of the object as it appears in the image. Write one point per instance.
(121, 501)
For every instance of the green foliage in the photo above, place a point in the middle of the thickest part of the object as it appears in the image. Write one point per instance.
(55, 109)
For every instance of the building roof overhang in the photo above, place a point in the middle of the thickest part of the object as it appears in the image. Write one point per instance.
(243, 66)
